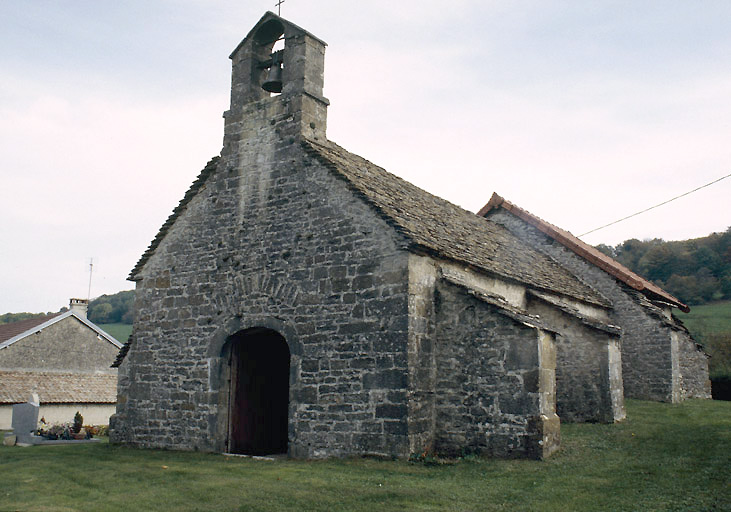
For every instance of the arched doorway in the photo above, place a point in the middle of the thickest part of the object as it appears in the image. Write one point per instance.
(259, 393)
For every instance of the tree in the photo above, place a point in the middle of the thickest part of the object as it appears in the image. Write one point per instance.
(695, 271)
(116, 308)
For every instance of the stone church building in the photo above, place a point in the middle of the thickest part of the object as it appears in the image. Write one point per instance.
(302, 300)
(660, 360)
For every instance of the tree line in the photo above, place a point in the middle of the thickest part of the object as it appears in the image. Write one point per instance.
(696, 271)
(112, 309)
(9, 318)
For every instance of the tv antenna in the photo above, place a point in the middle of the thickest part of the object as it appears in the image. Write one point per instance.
(91, 269)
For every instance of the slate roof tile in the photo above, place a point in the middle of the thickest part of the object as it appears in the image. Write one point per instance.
(445, 229)
(11, 330)
(429, 223)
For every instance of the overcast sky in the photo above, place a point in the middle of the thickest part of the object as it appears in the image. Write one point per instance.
(580, 112)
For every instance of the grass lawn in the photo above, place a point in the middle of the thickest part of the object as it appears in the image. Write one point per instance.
(664, 457)
(710, 324)
(120, 331)
(712, 318)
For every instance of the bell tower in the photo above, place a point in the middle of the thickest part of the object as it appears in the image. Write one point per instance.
(288, 81)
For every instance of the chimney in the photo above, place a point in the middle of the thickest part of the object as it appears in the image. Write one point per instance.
(80, 306)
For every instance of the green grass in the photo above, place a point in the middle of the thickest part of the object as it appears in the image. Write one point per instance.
(664, 457)
(120, 331)
(708, 318)
(710, 324)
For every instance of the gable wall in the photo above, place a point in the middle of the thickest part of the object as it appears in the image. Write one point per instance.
(273, 240)
(650, 367)
(66, 345)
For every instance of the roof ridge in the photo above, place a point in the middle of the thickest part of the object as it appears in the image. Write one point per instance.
(52, 319)
(582, 249)
(441, 227)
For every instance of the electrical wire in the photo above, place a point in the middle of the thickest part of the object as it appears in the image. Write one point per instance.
(656, 206)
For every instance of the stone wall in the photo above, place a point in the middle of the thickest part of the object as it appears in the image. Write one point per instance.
(650, 364)
(272, 240)
(588, 368)
(495, 379)
(693, 365)
(421, 355)
(67, 345)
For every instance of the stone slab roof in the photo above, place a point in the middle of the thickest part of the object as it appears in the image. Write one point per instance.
(58, 387)
(586, 251)
(431, 224)
(502, 306)
(11, 330)
(436, 226)
(593, 323)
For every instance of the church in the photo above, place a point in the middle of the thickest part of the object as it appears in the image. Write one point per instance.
(302, 300)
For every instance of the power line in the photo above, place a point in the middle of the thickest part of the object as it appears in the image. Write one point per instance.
(657, 205)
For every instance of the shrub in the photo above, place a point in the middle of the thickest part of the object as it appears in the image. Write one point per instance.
(78, 422)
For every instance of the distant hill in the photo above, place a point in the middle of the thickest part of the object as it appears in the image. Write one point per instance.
(696, 271)
(112, 309)
(107, 309)
(120, 332)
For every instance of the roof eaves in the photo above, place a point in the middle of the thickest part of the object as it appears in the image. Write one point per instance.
(58, 318)
(503, 307)
(35, 329)
(590, 322)
(586, 251)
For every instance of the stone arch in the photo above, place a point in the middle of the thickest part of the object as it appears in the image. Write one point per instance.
(239, 323)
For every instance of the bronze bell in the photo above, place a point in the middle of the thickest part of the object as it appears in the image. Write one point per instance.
(273, 83)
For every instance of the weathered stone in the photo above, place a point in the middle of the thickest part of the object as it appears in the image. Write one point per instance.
(660, 361)
(376, 318)
(25, 421)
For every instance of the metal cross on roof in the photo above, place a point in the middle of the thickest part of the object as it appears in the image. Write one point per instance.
(279, 7)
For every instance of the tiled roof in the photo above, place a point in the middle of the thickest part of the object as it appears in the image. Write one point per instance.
(436, 226)
(22, 329)
(585, 250)
(123, 351)
(11, 330)
(58, 388)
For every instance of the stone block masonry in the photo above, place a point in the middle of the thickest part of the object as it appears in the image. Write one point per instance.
(282, 245)
(296, 300)
(495, 384)
(651, 341)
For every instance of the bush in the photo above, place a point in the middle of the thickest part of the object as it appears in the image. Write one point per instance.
(78, 422)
